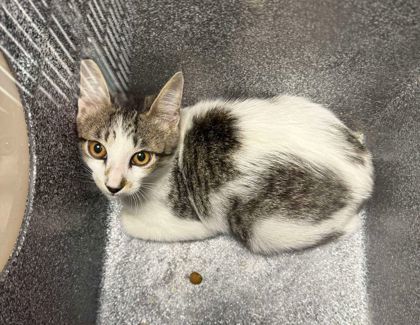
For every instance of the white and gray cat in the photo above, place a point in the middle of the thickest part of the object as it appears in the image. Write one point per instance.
(278, 174)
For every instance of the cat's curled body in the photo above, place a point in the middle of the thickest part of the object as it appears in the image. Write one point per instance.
(279, 174)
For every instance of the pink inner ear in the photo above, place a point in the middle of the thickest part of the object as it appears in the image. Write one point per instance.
(171, 116)
(83, 107)
(169, 119)
(167, 105)
(166, 108)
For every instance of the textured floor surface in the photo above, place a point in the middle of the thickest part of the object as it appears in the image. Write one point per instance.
(147, 283)
(54, 274)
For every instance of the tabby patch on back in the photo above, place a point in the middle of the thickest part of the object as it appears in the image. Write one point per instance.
(278, 174)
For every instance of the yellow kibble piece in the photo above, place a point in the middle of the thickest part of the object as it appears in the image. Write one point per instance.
(196, 278)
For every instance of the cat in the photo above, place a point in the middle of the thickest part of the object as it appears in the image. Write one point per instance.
(278, 174)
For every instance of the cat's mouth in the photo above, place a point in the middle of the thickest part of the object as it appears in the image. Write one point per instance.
(115, 195)
(114, 191)
(123, 193)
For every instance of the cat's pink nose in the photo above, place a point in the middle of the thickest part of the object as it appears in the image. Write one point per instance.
(114, 190)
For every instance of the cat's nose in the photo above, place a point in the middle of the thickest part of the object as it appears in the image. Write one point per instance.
(114, 190)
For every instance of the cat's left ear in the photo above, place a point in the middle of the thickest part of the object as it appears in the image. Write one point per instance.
(167, 104)
(94, 94)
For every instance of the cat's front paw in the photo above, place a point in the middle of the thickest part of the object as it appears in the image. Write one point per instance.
(131, 225)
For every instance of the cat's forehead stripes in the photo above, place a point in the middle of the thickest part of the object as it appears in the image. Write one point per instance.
(91, 126)
(137, 128)
(123, 121)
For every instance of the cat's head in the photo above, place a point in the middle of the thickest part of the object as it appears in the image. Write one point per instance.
(124, 147)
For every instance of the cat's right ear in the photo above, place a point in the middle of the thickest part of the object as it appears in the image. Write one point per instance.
(94, 94)
(167, 104)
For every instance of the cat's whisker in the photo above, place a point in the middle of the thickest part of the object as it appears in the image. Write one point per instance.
(139, 199)
(85, 172)
(151, 190)
(131, 199)
(134, 200)
(86, 169)
(84, 180)
(141, 194)
(83, 177)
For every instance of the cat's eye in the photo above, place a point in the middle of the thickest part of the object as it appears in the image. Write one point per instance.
(141, 158)
(96, 150)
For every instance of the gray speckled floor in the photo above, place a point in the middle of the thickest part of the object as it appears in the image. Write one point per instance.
(54, 275)
(148, 283)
